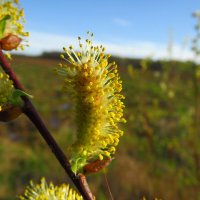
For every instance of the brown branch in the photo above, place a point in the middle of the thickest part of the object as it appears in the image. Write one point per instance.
(30, 111)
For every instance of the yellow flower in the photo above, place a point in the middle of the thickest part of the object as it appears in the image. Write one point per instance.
(10, 99)
(6, 90)
(95, 87)
(11, 25)
(43, 191)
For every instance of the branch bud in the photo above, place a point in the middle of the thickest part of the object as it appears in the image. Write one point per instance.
(10, 42)
(9, 114)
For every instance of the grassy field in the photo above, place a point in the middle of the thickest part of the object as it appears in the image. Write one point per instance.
(159, 155)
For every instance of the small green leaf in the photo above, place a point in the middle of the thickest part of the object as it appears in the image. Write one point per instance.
(74, 167)
(15, 97)
(3, 24)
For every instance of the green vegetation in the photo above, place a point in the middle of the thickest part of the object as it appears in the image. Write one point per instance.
(159, 154)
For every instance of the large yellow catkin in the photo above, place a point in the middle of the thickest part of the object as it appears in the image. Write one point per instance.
(94, 85)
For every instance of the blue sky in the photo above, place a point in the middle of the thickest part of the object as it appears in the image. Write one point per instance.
(128, 28)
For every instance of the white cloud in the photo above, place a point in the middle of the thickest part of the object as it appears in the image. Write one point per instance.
(121, 22)
(40, 42)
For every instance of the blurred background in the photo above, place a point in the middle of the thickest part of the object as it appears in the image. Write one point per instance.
(156, 46)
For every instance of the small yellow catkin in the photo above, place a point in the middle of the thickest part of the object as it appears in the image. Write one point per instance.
(12, 34)
(44, 191)
(6, 89)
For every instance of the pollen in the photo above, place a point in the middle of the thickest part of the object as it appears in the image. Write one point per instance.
(94, 85)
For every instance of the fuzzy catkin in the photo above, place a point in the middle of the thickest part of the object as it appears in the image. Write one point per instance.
(94, 85)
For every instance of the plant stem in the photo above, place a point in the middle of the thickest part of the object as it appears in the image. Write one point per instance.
(31, 112)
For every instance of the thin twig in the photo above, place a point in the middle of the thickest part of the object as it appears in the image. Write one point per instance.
(31, 112)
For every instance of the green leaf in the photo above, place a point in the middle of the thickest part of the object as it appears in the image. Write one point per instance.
(15, 98)
(3, 24)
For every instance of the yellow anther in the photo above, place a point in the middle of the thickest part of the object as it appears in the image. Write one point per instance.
(107, 153)
(62, 56)
(85, 66)
(100, 157)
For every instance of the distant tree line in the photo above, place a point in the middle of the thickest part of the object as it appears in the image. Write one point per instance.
(135, 62)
